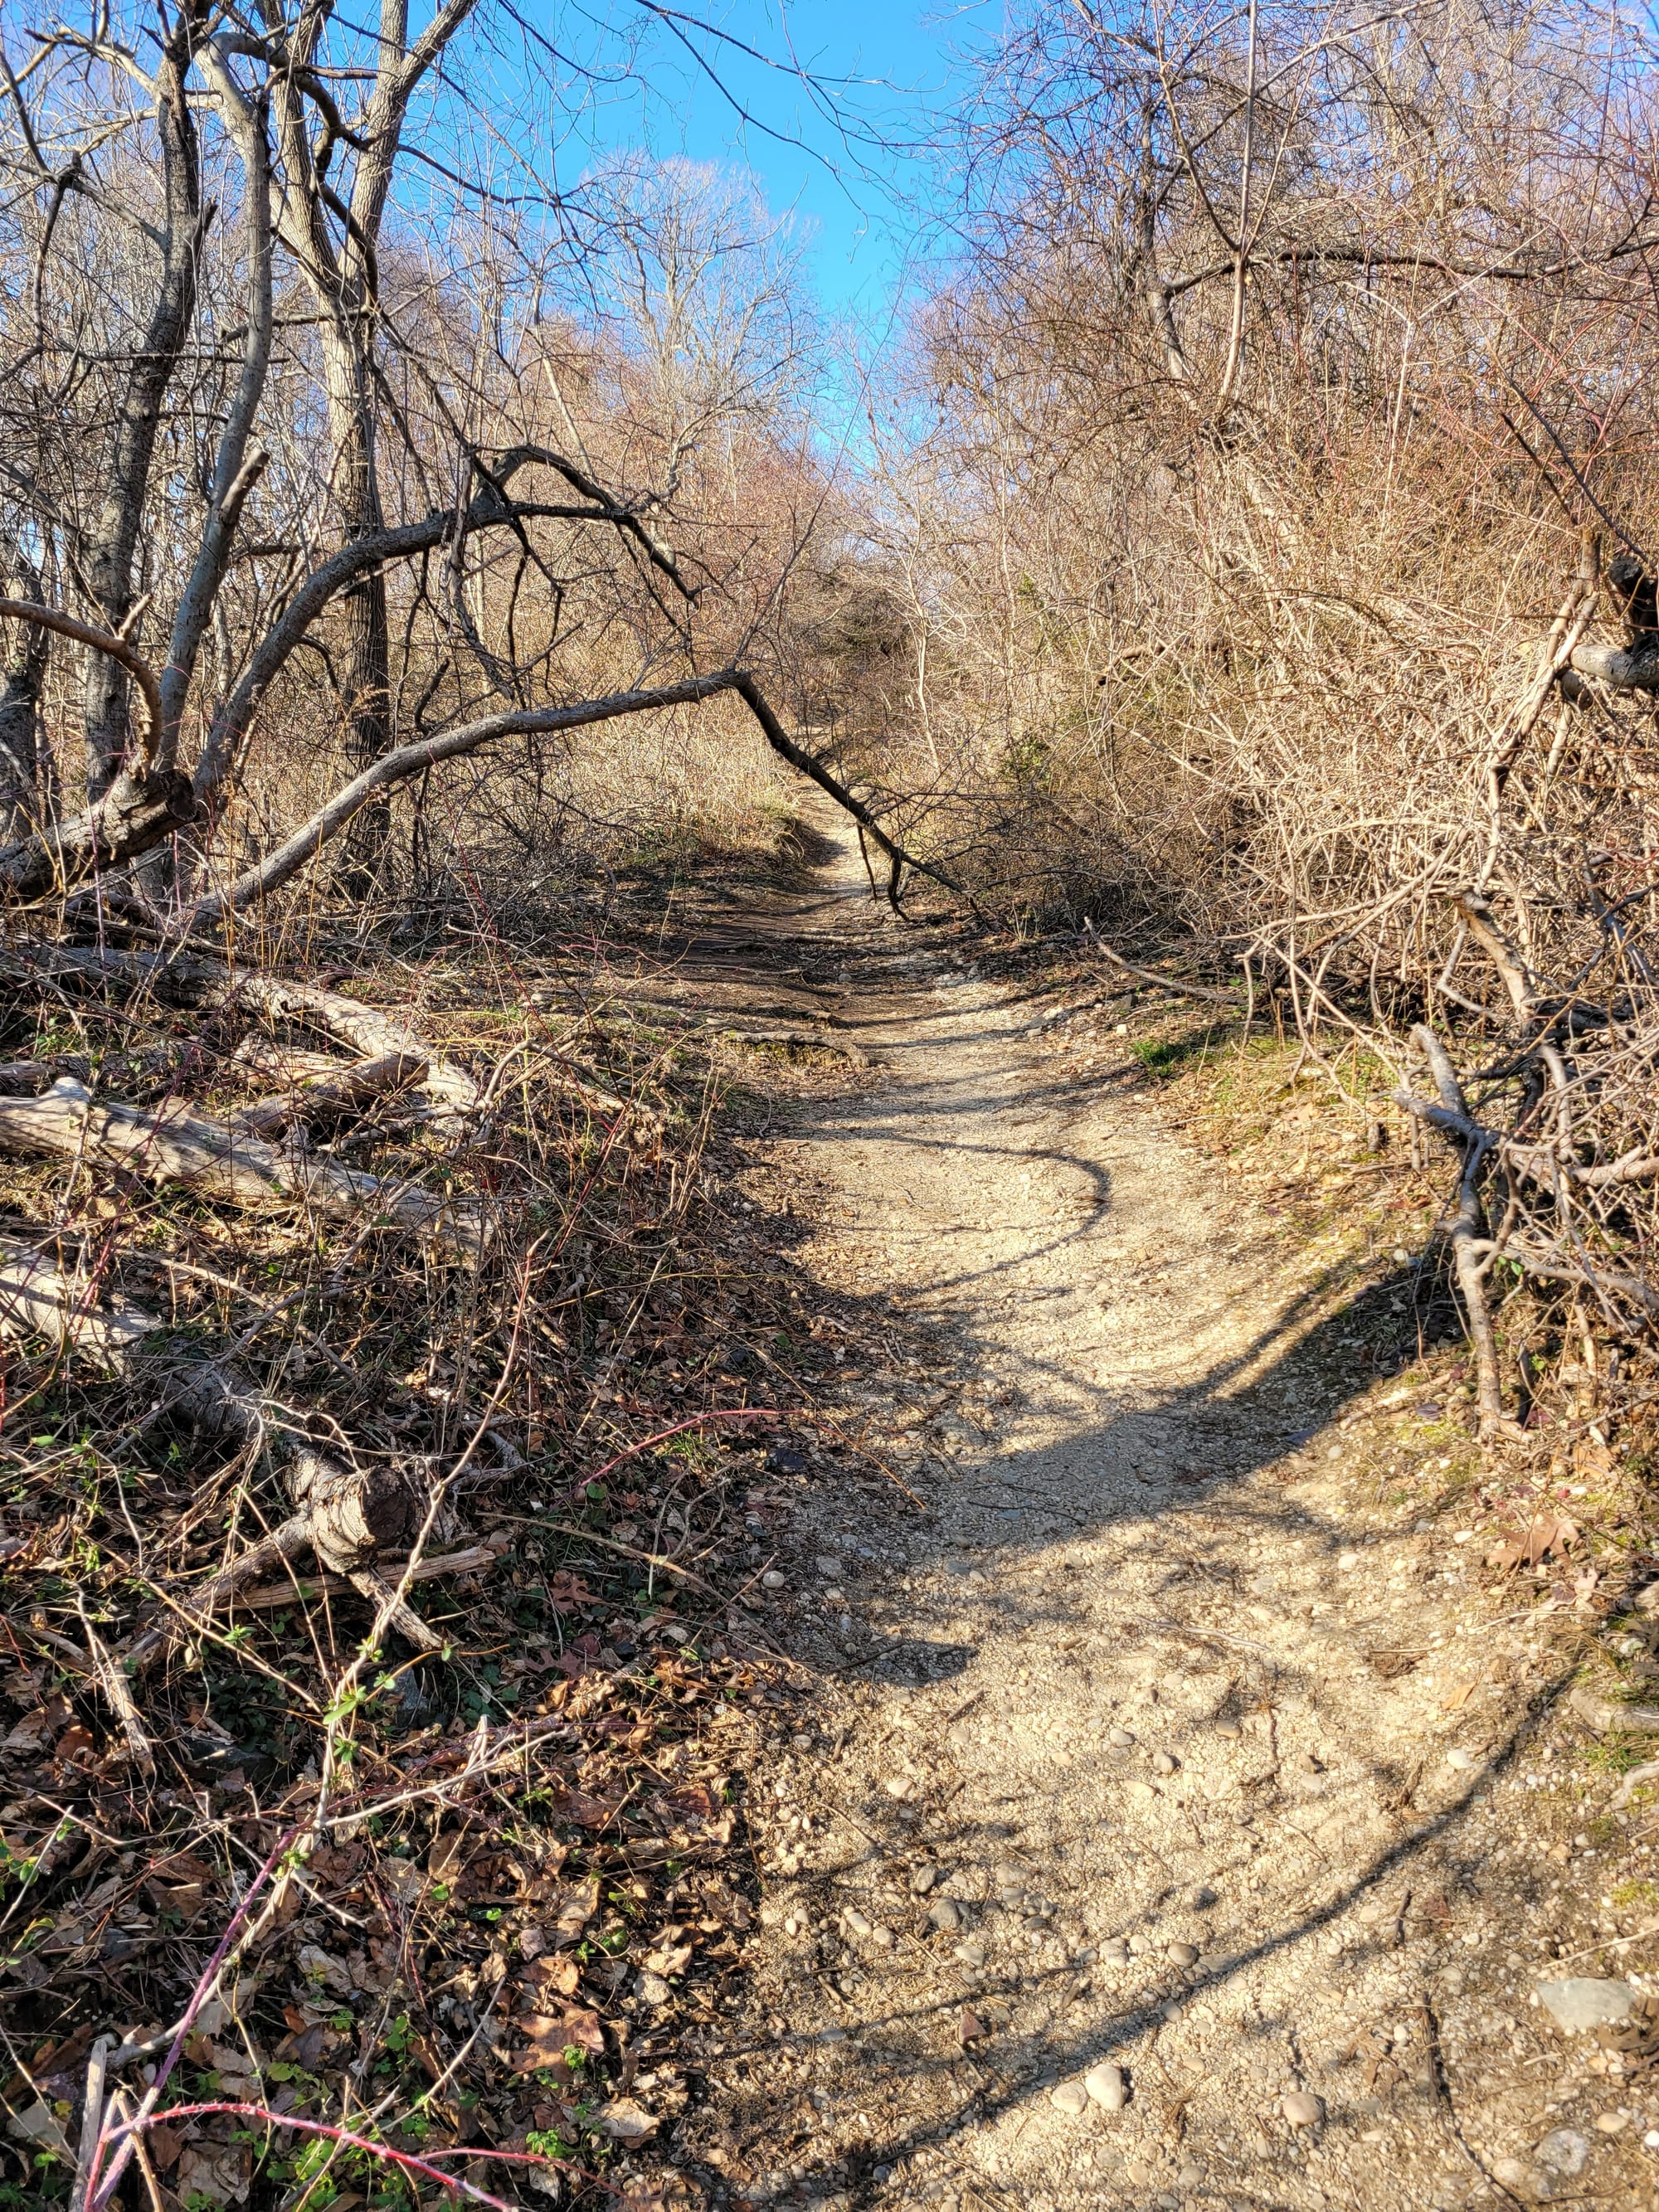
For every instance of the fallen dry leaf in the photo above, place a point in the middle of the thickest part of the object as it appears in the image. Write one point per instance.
(218, 2172)
(624, 2121)
(576, 1805)
(1544, 1533)
(557, 1976)
(164, 2144)
(30, 1733)
(667, 1959)
(576, 1906)
(1459, 1695)
(546, 2038)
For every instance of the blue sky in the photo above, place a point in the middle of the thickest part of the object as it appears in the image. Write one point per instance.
(894, 59)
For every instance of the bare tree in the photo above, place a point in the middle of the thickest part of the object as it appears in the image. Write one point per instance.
(310, 416)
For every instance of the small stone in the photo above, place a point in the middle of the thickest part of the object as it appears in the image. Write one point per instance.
(773, 1580)
(945, 1914)
(1164, 1762)
(1190, 2176)
(1115, 1952)
(1347, 1562)
(971, 1955)
(882, 1937)
(828, 1566)
(1009, 1874)
(1183, 1954)
(1460, 1758)
(1611, 2124)
(1302, 2108)
(1106, 2085)
(857, 1923)
(923, 1880)
(1070, 2097)
(1565, 2152)
(1581, 2003)
(1122, 1738)
(653, 1990)
(1228, 1731)
(1521, 2179)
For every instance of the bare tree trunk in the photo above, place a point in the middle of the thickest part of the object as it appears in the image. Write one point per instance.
(113, 545)
(345, 281)
(24, 762)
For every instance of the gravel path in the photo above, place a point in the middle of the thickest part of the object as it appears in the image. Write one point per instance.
(1176, 1847)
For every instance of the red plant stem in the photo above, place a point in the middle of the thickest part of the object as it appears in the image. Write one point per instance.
(697, 1421)
(129, 2129)
(99, 2194)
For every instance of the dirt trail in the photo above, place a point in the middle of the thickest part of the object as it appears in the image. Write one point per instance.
(1162, 1762)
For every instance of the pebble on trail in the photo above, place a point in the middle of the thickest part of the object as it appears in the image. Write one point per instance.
(1581, 2003)
(1106, 2085)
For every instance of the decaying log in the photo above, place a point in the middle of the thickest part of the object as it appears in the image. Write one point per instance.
(345, 1516)
(808, 1040)
(369, 1031)
(1622, 668)
(342, 1516)
(193, 979)
(173, 1144)
(473, 1559)
(330, 1089)
(39, 1298)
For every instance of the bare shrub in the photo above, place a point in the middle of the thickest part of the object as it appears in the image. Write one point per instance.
(1290, 400)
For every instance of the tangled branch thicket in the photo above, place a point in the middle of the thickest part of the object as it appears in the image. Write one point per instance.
(1275, 561)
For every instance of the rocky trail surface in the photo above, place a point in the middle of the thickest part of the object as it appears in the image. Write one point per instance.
(1171, 1815)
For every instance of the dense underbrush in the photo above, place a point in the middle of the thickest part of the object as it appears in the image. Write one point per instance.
(380, 1681)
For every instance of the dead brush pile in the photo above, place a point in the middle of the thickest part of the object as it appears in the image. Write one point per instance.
(376, 1404)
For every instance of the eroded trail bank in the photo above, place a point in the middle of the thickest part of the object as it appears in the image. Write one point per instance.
(1178, 1813)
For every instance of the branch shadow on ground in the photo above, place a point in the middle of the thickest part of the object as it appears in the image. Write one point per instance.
(1247, 1411)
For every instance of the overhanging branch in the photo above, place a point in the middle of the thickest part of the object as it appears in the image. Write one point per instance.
(106, 641)
(411, 760)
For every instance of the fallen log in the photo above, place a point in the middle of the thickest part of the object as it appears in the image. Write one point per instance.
(807, 1040)
(470, 1561)
(346, 1517)
(331, 1090)
(173, 1144)
(369, 1031)
(191, 979)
